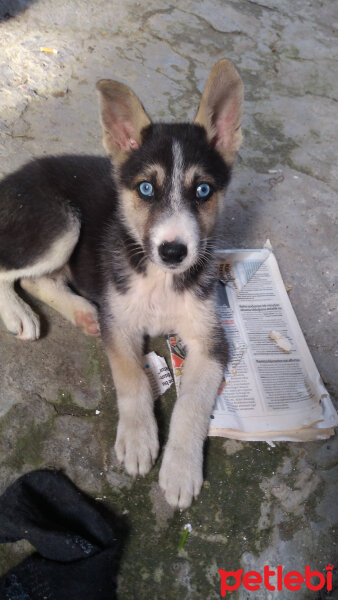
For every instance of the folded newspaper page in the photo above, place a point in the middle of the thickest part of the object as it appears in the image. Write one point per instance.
(271, 389)
(158, 373)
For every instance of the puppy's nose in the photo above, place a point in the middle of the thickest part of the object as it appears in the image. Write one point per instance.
(172, 252)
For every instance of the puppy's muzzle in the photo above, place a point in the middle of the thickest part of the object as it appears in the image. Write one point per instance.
(172, 252)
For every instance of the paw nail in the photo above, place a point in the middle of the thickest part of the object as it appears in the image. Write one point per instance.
(92, 329)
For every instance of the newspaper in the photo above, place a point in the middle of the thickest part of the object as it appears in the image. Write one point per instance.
(271, 389)
(158, 373)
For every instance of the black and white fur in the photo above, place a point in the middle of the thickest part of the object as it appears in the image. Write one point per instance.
(141, 265)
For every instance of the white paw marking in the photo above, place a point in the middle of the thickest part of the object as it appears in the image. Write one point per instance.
(137, 443)
(181, 476)
(20, 319)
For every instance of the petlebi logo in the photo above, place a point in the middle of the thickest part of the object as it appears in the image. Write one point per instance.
(275, 579)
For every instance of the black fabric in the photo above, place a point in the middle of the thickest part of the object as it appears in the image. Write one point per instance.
(77, 549)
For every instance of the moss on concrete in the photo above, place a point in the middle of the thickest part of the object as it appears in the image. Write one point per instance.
(12, 554)
(23, 436)
(65, 405)
(289, 526)
(94, 360)
(29, 446)
(270, 146)
(293, 164)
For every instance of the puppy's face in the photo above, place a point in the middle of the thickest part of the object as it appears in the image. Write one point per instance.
(171, 191)
(172, 177)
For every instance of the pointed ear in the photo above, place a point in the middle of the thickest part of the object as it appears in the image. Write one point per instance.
(220, 111)
(122, 118)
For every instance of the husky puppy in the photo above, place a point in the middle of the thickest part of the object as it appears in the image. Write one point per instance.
(133, 235)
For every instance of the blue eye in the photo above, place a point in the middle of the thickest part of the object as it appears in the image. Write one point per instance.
(203, 191)
(146, 189)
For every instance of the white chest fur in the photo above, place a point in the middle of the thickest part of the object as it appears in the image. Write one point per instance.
(151, 305)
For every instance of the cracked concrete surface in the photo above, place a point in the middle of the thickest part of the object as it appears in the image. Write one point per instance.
(259, 505)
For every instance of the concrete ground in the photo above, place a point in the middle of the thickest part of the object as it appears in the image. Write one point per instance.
(259, 505)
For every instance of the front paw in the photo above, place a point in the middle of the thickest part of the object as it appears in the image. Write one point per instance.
(181, 476)
(137, 444)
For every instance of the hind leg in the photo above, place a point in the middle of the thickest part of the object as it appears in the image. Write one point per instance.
(16, 314)
(54, 291)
